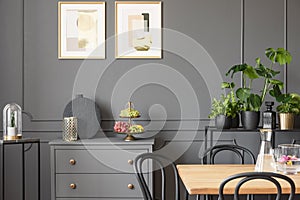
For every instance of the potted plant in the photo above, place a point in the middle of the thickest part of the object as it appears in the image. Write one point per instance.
(226, 109)
(233, 108)
(219, 112)
(289, 106)
(249, 99)
(12, 129)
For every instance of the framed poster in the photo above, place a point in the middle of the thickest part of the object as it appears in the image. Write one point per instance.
(138, 29)
(81, 30)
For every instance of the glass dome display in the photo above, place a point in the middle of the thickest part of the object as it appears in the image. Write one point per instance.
(12, 122)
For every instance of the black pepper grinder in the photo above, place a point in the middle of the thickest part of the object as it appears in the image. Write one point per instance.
(269, 116)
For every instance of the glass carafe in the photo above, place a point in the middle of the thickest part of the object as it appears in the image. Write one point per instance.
(265, 160)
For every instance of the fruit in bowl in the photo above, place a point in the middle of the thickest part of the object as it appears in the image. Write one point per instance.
(129, 112)
(136, 128)
(121, 127)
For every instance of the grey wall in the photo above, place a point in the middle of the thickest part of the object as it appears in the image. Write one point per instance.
(230, 31)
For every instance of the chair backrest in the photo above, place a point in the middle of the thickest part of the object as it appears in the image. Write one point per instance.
(161, 162)
(209, 155)
(247, 176)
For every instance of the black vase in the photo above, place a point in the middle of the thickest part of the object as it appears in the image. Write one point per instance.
(223, 122)
(250, 119)
(235, 122)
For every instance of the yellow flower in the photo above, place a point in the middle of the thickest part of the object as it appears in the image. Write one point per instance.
(290, 163)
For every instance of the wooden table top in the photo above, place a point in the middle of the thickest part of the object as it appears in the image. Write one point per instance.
(206, 179)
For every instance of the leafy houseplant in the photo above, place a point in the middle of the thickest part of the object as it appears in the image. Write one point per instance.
(219, 111)
(248, 98)
(289, 105)
(233, 107)
(225, 109)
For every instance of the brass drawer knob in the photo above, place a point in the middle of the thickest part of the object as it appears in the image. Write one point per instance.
(130, 162)
(72, 185)
(72, 162)
(130, 186)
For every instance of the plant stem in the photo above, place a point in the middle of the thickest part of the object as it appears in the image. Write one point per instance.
(232, 95)
(244, 80)
(271, 66)
(264, 92)
(266, 86)
(250, 84)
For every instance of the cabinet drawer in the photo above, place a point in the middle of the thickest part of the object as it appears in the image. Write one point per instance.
(95, 161)
(97, 185)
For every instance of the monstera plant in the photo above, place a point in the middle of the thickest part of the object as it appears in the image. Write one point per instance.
(249, 99)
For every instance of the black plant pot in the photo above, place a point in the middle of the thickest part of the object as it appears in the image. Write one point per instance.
(223, 122)
(235, 122)
(250, 119)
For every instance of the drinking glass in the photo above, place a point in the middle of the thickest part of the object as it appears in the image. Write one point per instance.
(288, 158)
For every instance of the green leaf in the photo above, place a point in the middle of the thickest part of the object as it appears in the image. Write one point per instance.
(264, 71)
(296, 96)
(280, 98)
(271, 54)
(274, 73)
(257, 60)
(250, 72)
(280, 59)
(255, 102)
(277, 90)
(281, 109)
(243, 94)
(261, 70)
(290, 103)
(283, 56)
(286, 98)
(271, 92)
(288, 58)
(232, 85)
(225, 85)
(236, 68)
(280, 56)
(295, 110)
(276, 82)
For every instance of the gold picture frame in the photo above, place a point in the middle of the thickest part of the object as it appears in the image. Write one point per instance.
(81, 30)
(138, 29)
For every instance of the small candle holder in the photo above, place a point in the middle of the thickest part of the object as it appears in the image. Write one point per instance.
(12, 122)
(70, 129)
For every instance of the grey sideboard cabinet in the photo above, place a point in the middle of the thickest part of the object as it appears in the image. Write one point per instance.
(97, 169)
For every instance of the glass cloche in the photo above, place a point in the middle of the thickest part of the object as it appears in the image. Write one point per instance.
(12, 122)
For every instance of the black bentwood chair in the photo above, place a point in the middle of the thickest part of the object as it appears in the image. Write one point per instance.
(210, 155)
(241, 152)
(160, 163)
(247, 176)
